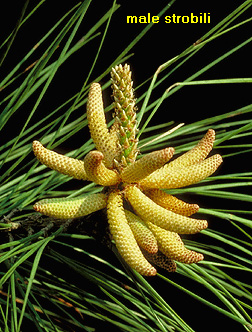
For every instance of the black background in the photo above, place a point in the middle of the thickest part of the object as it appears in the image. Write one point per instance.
(162, 42)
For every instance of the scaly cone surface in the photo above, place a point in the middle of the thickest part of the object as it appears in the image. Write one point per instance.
(124, 238)
(125, 113)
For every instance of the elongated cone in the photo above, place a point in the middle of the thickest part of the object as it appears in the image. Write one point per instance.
(124, 238)
(198, 153)
(125, 112)
(97, 171)
(171, 203)
(64, 208)
(143, 235)
(146, 165)
(177, 177)
(172, 246)
(161, 260)
(58, 162)
(147, 210)
(98, 126)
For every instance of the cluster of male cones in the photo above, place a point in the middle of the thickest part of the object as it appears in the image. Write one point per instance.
(144, 220)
